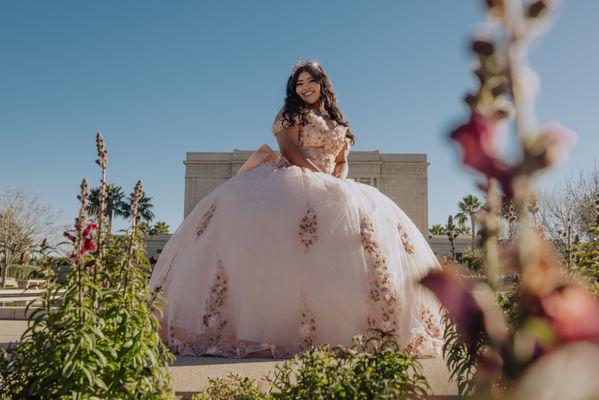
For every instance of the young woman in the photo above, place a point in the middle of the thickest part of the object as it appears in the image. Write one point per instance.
(289, 253)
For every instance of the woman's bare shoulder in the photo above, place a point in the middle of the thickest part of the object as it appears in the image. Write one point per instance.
(280, 123)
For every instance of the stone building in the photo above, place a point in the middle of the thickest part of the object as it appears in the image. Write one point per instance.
(401, 177)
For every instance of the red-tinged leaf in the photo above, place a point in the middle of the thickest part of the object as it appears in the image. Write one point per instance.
(70, 237)
(456, 296)
(476, 138)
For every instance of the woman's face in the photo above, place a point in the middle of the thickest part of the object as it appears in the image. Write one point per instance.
(307, 88)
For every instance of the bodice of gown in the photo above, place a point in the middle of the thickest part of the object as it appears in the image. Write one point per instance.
(317, 141)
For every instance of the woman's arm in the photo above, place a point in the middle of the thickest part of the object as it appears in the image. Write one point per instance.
(341, 167)
(288, 139)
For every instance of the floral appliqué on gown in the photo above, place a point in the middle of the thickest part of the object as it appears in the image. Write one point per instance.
(279, 258)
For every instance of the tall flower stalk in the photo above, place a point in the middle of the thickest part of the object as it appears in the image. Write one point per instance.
(538, 324)
(95, 335)
(102, 162)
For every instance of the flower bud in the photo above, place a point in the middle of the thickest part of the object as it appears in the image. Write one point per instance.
(492, 3)
(550, 147)
(536, 9)
(500, 86)
(494, 8)
(471, 100)
(561, 233)
(483, 47)
(70, 237)
(504, 112)
(479, 73)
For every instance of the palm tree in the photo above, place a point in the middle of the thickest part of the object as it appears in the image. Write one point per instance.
(437, 229)
(461, 219)
(160, 228)
(144, 207)
(115, 206)
(469, 206)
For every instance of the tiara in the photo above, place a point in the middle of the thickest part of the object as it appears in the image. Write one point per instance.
(302, 63)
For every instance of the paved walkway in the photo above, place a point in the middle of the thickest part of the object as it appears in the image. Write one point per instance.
(190, 374)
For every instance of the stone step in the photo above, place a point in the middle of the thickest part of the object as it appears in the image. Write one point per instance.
(23, 293)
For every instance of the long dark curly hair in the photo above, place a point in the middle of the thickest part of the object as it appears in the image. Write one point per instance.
(295, 107)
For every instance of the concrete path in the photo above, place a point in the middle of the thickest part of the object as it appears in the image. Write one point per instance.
(190, 374)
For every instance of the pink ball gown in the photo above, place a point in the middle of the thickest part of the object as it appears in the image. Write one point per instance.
(280, 258)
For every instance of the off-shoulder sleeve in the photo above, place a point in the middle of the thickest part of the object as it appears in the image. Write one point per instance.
(349, 139)
(279, 123)
(347, 146)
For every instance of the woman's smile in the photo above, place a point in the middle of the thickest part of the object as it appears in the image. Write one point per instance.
(307, 88)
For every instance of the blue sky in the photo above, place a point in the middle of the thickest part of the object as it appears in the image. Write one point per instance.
(160, 78)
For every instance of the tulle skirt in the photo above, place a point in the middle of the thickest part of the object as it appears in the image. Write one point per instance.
(280, 258)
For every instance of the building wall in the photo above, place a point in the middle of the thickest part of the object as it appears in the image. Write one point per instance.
(441, 245)
(402, 177)
(154, 245)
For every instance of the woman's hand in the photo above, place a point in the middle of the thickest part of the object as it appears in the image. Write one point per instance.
(341, 166)
(341, 170)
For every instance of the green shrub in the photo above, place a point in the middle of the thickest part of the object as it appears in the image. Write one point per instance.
(587, 259)
(233, 387)
(473, 259)
(373, 368)
(99, 339)
(21, 272)
(460, 358)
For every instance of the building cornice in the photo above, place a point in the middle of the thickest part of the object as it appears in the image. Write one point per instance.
(362, 157)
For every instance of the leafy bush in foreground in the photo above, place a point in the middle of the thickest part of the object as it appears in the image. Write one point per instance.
(99, 338)
(372, 368)
(233, 387)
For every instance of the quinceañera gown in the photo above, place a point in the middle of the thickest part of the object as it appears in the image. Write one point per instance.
(280, 258)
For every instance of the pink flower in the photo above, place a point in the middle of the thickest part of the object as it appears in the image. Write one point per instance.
(573, 314)
(88, 245)
(88, 229)
(456, 296)
(476, 139)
